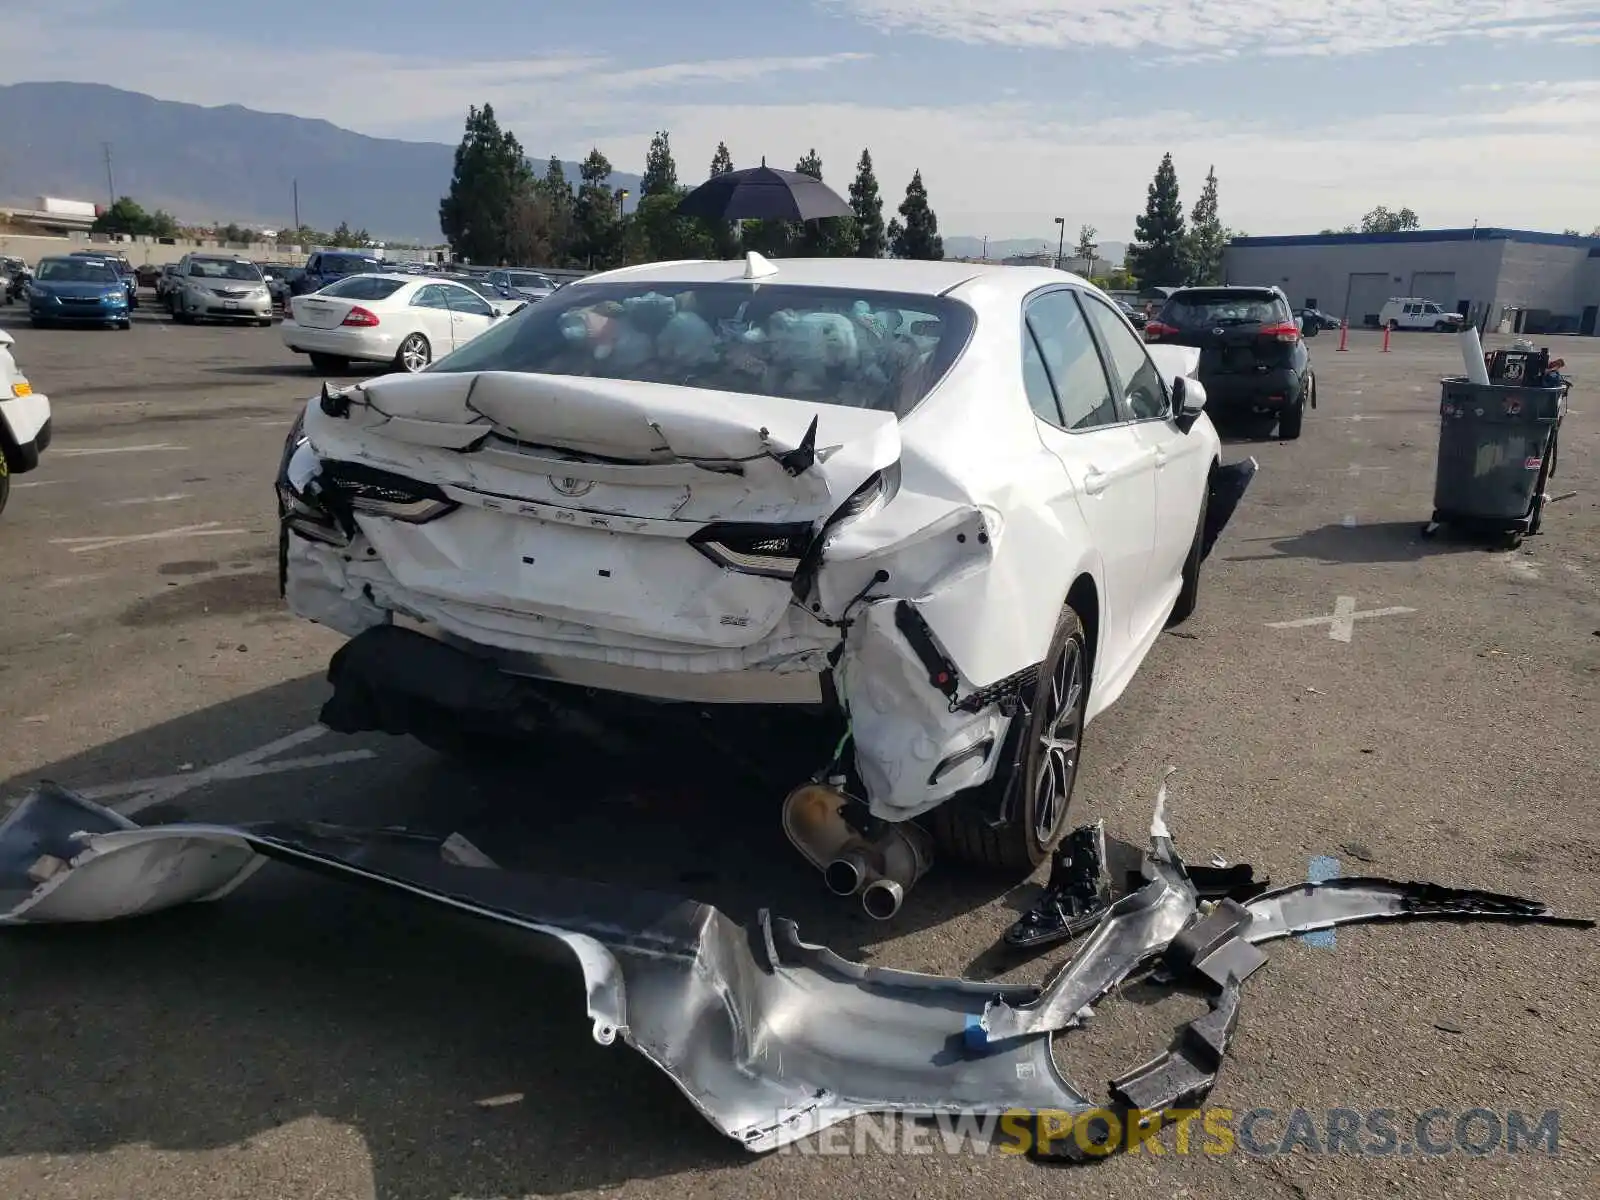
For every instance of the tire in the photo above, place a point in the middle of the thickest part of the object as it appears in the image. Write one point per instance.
(125, 325)
(1441, 327)
(1189, 595)
(1394, 326)
(264, 322)
(961, 826)
(1290, 420)
(414, 354)
(331, 363)
(5, 481)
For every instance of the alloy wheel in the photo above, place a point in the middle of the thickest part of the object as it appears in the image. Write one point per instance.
(414, 353)
(1059, 735)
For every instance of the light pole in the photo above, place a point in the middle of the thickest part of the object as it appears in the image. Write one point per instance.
(622, 203)
(1061, 240)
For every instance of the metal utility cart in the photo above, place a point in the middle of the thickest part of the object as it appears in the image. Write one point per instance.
(1497, 452)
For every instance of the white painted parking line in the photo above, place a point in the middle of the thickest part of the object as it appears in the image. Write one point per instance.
(83, 451)
(61, 581)
(82, 545)
(1357, 470)
(146, 793)
(1342, 623)
(149, 500)
(39, 483)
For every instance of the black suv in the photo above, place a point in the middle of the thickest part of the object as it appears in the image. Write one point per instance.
(1253, 355)
(326, 266)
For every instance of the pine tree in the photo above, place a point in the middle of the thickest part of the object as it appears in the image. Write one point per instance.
(660, 171)
(830, 237)
(1207, 235)
(594, 213)
(868, 208)
(490, 173)
(1158, 256)
(918, 233)
(556, 194)
(724, 234)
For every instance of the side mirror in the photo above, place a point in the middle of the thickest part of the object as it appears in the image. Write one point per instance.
(1188, 402)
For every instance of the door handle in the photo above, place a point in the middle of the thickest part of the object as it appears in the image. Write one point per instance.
(1161, 458)
(1095, 481)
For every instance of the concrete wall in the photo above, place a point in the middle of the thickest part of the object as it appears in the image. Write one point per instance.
(1551, 283)
(1322, 273)
(141, 251)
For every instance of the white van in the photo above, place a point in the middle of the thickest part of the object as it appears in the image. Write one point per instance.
(1413, 312)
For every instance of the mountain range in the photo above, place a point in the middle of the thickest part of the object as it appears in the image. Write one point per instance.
(229, 163)
(222, 164)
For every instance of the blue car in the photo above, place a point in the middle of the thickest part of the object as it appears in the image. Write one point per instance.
(77, 290)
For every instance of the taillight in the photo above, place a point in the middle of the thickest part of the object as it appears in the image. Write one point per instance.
(1285, 332)
(1155, 329)
(384, 494)
(773, 551)
(360, 316)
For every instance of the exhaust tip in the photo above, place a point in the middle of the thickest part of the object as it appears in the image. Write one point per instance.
(882, 899)
(844, 876)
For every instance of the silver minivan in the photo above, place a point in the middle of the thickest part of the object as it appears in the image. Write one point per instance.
(219, 287)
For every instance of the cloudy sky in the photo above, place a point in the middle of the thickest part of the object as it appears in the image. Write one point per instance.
(1015, 111)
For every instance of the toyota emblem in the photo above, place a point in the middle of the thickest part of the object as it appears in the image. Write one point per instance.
(1218, 332)
(568, 486)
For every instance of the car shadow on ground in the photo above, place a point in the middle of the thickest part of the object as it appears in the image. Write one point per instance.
(1384, 542)
(301, 997)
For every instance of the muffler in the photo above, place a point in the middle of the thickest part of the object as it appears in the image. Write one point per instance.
(881, 871)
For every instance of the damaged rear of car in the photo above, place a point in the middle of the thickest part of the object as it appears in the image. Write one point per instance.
(820, 485)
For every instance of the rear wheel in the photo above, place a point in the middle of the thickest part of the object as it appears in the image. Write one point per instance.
(5, 481)
(414, 354)
(1047, 773)
(263, 321)
(331, 363)
(1289, 421)
(1441, 327)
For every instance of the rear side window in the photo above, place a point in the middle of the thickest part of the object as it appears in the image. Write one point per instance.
(1071, 361)
(1220, 308)
(364, 287)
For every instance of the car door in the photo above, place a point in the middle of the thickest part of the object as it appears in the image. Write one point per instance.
(432, 314)
(1109, 466)
(1181, 463)
(470, 313)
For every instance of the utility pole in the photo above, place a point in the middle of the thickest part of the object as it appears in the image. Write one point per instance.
(1061, 240)
(297, 205)
(111, 186)
(986, 247)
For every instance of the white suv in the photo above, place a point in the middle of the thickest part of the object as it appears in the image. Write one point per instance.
(1413, 312)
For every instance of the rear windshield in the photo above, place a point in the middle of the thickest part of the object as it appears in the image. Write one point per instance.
(347, 264)
(364, 287)
(216, 268)
(1201, 310)
(861, 349)
(519, 280)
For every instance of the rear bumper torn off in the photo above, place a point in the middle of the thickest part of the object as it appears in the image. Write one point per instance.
(770, 1038)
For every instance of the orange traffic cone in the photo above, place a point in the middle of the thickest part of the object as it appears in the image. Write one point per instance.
(1344, 333)
(1386, 329)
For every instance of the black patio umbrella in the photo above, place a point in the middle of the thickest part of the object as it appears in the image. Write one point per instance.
(763, 194)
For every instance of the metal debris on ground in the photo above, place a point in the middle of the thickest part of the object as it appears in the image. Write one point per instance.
(772, 1038)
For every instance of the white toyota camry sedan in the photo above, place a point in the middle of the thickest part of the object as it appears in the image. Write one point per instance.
(951, 505)
(406, 320)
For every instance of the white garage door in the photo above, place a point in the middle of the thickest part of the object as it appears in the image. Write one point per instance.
(1365, 296)
(1438, 286)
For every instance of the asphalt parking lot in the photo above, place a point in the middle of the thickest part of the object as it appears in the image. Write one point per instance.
(301, 1039)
